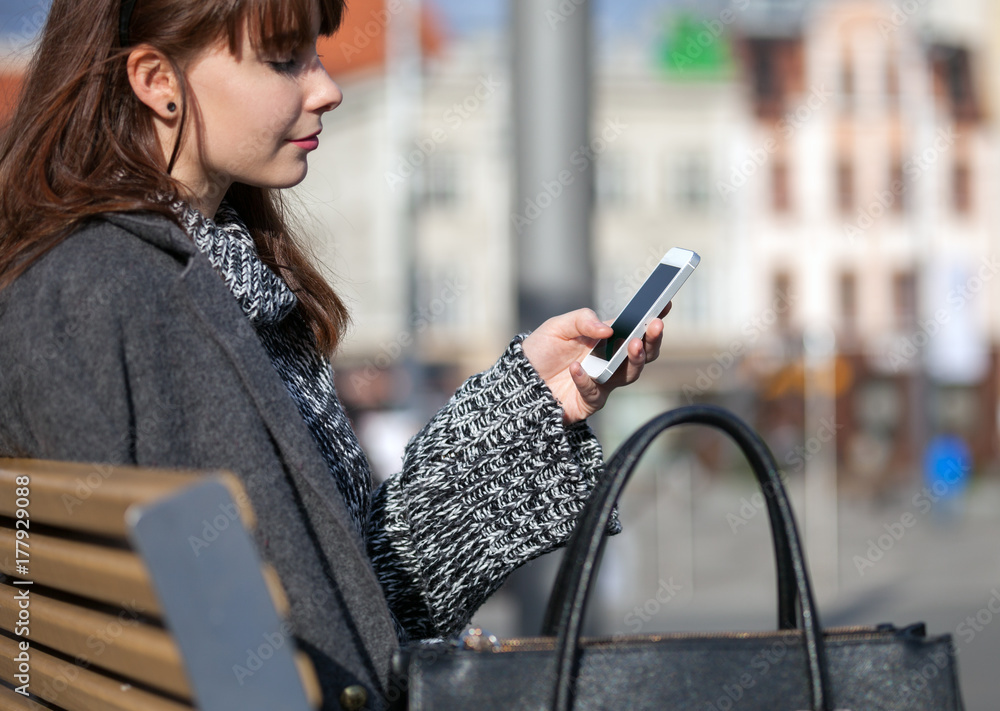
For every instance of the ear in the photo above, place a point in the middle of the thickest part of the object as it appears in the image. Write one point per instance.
(154, 81)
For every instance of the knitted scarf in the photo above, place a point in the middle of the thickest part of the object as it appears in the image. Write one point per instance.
(270, 306)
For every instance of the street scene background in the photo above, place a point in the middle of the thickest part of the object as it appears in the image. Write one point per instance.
(834, 163)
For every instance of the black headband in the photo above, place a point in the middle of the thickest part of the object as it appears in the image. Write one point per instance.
(124, 20)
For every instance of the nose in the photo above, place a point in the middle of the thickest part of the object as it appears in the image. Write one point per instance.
(326, 95)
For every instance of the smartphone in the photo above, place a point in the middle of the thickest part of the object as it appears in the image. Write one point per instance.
(647, 303)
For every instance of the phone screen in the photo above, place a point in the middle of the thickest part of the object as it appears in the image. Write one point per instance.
(635, 310)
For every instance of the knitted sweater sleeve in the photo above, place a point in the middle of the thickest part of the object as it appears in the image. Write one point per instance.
(494, 480)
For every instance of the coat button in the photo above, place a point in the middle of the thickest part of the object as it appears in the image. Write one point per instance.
(353, 698)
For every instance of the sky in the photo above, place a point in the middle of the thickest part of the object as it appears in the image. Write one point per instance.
(612, 15)
(22, 18)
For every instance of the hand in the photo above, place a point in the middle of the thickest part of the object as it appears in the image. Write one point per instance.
(556, 348)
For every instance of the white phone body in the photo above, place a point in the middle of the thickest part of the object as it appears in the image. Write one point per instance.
(646, 304)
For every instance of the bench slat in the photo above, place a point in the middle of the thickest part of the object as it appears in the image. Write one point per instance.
(310, 682)
(13, 701)
(93, 497)
(88, 525)
(116, 577)
(52, 678)
(119, 643)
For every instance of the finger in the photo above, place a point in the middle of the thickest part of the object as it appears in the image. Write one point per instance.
(587, 324)
(635, 361)
(653, 339)
(666, 309)
(590, 391)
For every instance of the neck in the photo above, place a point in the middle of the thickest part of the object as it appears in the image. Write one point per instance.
(204, 190)
(206, 201)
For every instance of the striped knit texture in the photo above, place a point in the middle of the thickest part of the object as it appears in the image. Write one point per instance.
(493, 481)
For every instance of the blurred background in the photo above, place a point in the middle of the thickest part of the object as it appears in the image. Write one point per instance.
(834, 163)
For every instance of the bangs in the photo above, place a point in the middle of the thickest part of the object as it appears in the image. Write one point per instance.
(282, 25)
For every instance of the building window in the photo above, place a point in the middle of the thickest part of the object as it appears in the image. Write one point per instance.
(781, 300)
(849, 301)
(961, 187)
(954, 81)
(781, 199)
(847, 88)
(613, 180)
(892, 79)
(689, 181)
(845, 186)
(904, 297)
(897, 186)
(439, 186)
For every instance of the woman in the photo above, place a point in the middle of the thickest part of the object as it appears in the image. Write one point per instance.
(140, 166)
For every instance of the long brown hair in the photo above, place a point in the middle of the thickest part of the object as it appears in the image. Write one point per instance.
(80, 143)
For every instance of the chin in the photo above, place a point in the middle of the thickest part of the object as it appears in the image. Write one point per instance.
(280, 184)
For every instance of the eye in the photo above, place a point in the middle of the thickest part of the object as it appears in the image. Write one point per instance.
(284, 66)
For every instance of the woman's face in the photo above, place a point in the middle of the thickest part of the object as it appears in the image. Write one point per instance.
(256, 118)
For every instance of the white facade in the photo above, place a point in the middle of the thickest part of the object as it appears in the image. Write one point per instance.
(865, 145)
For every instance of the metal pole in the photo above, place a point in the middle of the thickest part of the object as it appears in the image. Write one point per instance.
(553, 183)
(404, 97)
(551, 53)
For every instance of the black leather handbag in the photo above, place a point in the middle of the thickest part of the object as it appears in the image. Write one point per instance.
(796, 668)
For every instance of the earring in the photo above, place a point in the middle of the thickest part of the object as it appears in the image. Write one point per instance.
(171, 107)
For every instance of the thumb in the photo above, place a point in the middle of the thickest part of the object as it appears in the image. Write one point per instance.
(590, 391)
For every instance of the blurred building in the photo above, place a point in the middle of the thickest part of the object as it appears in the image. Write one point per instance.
(831, 161)
(874, 211)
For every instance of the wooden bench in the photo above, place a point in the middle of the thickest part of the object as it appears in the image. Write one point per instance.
(125, 589)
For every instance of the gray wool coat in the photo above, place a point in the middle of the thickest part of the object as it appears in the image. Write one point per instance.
(188, 357)
(123, 345)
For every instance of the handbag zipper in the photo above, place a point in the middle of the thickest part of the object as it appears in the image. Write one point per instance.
(515, 644)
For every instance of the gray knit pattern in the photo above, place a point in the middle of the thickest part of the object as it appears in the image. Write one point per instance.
(263, 296)
(493, 481)
(270, 305)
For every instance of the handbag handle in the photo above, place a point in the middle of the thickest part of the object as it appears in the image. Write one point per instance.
(565, 613)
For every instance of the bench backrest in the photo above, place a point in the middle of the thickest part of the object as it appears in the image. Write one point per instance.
(127, 589)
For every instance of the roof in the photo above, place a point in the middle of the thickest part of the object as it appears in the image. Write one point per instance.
(360, 44)
(10, 87)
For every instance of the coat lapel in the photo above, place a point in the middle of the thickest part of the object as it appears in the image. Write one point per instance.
(208, 297)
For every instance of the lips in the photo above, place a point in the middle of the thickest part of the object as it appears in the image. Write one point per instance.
(308, 143)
